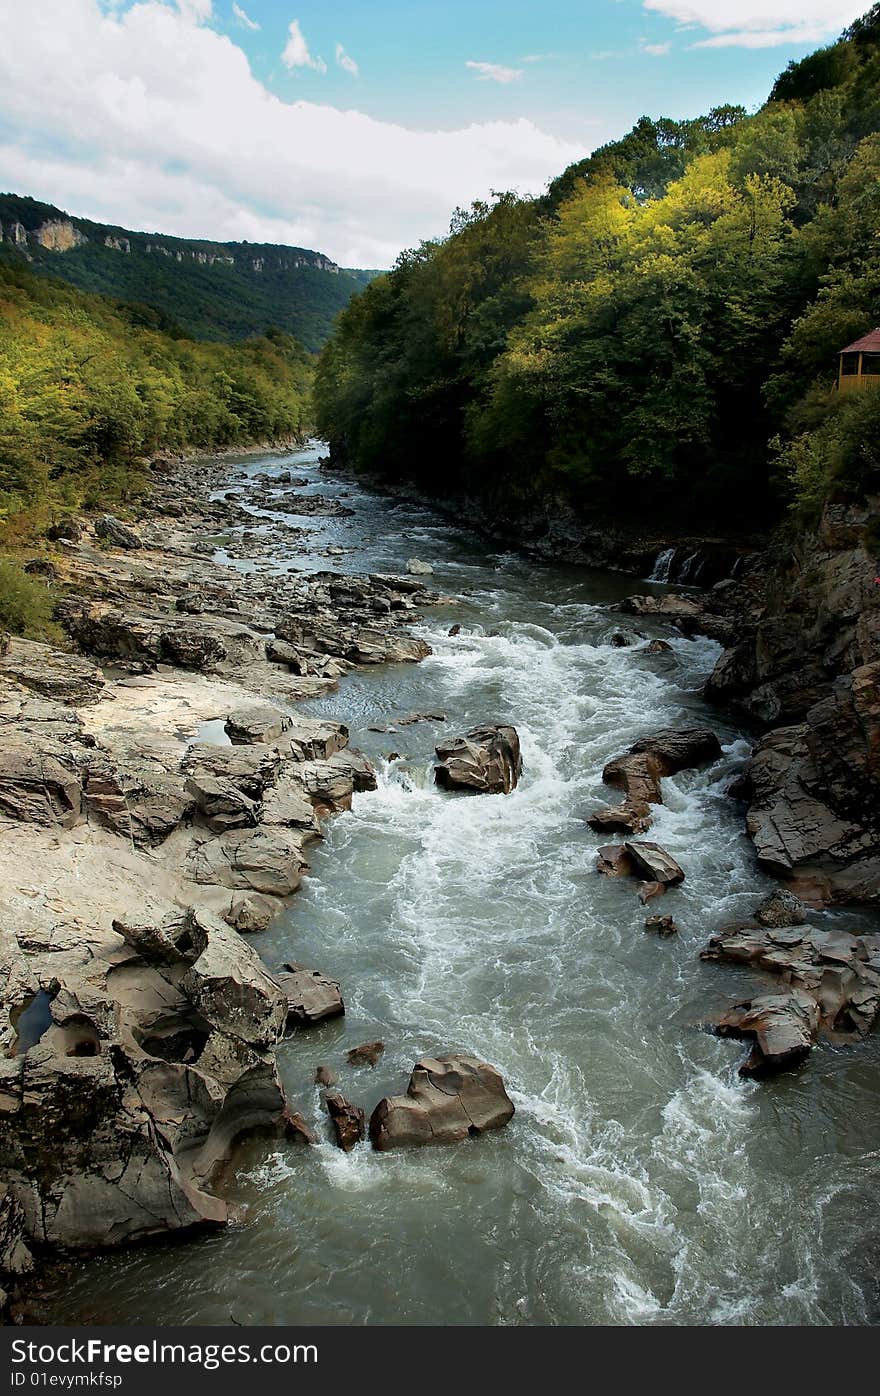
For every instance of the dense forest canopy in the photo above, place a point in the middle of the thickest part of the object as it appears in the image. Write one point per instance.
(205, 290)
(89, 387)
(664, 322)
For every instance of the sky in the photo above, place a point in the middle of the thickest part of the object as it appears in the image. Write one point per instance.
(355, 127)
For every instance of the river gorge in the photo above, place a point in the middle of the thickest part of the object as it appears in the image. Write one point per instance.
(641, 1181)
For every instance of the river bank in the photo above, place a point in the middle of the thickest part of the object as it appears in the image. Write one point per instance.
(477, 925)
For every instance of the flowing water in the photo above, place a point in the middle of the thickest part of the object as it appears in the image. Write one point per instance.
(640, 1181)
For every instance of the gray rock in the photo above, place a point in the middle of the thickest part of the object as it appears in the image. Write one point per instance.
(117, 533)
(266, 859)
(486, 760)
(781, 908)
(66, 678)
(228, 985)
(417, 568)
(654, 863)
(259, 723)
(35, 788)
(251, 913)
(447, 1099)
(311, 996)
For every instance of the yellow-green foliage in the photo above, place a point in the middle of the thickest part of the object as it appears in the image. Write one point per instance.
(25, 602)
(88, 389)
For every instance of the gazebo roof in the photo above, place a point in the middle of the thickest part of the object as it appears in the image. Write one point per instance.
(868, 344)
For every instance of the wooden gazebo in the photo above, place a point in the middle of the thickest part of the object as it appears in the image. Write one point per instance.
(860, 364)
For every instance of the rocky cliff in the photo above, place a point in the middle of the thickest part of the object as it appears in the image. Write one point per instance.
(803, 664)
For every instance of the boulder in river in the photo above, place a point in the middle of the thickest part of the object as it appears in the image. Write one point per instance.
(417, 568)
(486, 760)
(662, 926)
(781, 1028)
(612, 860)
(349, 1121)
(311, 996)
(654, 863)
(229, 986)
(447, 1099)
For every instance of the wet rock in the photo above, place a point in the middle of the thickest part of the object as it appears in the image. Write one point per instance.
(781, 1027)
(454, 630)
(638, 775)
(781, 908)
(654, 863)
(486, 760)
(417, 568)
(447, 1099)
(680, 749)
(663, 926)
(311, 996)
(613, 860)
(117, 533)
(325, 1076)
(228, 985)
(659, 647)
(35, 788)
(648, 891)
(367, 1054)
(412, 718)
(839, 970)
(258, 723)
(626, 818)
(349, 1121)
(266, 859)
(66, 678)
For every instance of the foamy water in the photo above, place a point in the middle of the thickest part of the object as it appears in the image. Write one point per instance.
(641, 1181)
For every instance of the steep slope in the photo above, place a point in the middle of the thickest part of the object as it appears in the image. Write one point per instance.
(211, 290)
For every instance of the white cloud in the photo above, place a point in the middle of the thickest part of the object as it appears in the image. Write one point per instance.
(296, 53)
(761, 23)
(146, 117)
(346, 61)
(195, 9)
(494, 72)
(656, 50)
(243, 18)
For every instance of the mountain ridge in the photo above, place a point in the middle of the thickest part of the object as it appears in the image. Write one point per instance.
(207, 289)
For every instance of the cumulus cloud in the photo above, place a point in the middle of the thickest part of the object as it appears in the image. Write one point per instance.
(296, 53)
(243, 18)
(155, 120)
(346, 61)
(760, 23)
(494, 72)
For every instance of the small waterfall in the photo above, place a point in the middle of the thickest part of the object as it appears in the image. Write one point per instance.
(662, 566)
(690, 569)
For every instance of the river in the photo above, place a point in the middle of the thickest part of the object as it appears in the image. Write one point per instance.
(641, 1181)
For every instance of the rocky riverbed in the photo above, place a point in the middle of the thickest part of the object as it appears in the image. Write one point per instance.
(169, 783)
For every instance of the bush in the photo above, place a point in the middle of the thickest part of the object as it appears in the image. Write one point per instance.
(26, 604)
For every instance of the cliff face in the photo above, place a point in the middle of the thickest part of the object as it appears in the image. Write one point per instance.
(806, 667)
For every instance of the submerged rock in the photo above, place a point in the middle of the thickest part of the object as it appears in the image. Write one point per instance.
(367, 1054)
(662, 926)
(447, 1099)
(486, 760)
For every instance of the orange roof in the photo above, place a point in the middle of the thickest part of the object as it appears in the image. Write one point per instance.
(869, 344)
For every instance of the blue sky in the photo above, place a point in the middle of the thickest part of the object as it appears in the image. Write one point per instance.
(602, 64)
(350, 127)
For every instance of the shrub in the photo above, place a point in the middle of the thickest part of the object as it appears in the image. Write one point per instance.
(26, 603)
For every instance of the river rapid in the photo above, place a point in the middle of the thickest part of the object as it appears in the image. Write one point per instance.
(641, 1181)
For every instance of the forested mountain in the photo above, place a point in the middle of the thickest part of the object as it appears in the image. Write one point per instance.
(89, 387)
(207, 290)
(658, 333)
